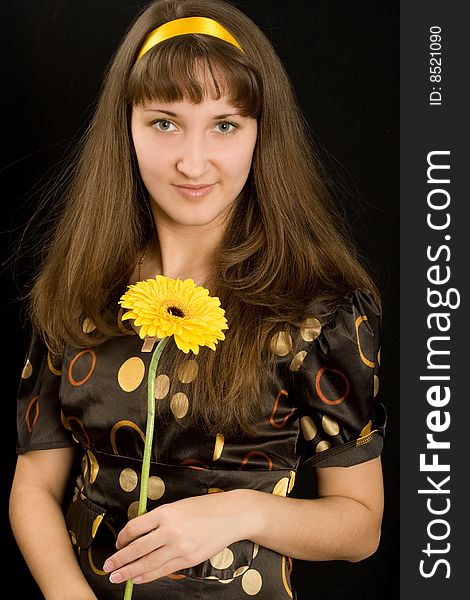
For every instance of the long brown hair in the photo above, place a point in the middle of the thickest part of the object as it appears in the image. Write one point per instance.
(282, 247)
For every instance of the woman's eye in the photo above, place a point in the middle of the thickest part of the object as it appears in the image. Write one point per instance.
(226, 127)
(162, 125)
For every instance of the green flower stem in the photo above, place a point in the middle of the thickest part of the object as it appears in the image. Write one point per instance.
(144, 478)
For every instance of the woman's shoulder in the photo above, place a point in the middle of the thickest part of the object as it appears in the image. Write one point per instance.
(353, 302)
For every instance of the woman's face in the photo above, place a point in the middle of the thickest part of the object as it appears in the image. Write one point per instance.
(194, 159)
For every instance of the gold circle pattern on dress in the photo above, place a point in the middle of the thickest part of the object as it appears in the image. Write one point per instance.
(27, 370)
(309, 429)
(93, 567)
(376, 385)
(330, 426)
(133, 510)
(156, 487)
(222, 560)
(119, 425)
(94, 466)
(360, 319)
(131, 373)
(128, 480)
(311, 329)
(84, 466)
(52, 369)
(297, 360)
(96, 523)
(179, 405)
(187, 371)
(88, 326)
(280, 489)
(284, 577)
(218, 447)
(125, 328)
(252, 582)
(162, 386)
(322, 446)
(281, 343)
(291, 482)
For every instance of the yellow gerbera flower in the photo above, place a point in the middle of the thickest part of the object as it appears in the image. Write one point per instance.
(164, 307)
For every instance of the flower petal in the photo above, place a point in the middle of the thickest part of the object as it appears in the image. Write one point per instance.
(149, 302)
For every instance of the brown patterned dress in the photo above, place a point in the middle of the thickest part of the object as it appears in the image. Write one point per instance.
(322, 410)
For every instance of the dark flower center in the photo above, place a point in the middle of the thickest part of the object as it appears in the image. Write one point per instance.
(175, 311)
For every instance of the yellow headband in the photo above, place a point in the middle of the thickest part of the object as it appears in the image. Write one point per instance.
(184, 26)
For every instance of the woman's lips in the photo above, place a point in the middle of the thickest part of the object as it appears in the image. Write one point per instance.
(195, 191)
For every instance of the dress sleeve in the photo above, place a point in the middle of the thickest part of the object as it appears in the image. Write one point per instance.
(39, 423)
(336, 385)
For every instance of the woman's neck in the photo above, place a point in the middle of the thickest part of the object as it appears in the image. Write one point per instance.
(179, 252)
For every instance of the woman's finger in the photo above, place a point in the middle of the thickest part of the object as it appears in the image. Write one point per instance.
(136, 528)
(150, 563)
(137, 549)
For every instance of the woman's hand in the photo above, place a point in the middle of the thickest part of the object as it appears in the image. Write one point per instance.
(176, 536)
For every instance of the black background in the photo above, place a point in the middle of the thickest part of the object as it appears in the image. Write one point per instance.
(343, 59)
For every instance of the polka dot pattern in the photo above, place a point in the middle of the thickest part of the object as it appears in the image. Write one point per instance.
(311, 329)
(218, 447)
(309, 429)
(156, 487)
(297, 360)
(223, 559)
(322, 446)
(329, 425)
(281, 343)
(128, 480)
(280, 489)
(88, 326)
(162, 386)
(131, 373)
(187, 371)
(252, 582)
(94, 466)
(179, 405)
(27, 370)
(376, 385)
(325, 393)
(133, 510)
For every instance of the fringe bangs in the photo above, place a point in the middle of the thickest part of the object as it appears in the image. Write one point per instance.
(196, 68)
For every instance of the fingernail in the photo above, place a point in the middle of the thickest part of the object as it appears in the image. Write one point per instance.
(115, 577)
(137, 579)
(108, 566)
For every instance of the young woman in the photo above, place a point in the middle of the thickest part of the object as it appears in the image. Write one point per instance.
(196, 165)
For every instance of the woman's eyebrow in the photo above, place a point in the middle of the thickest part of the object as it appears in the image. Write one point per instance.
(166, 112)
(173, 114)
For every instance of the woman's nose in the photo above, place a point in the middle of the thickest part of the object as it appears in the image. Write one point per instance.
(193, 156)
